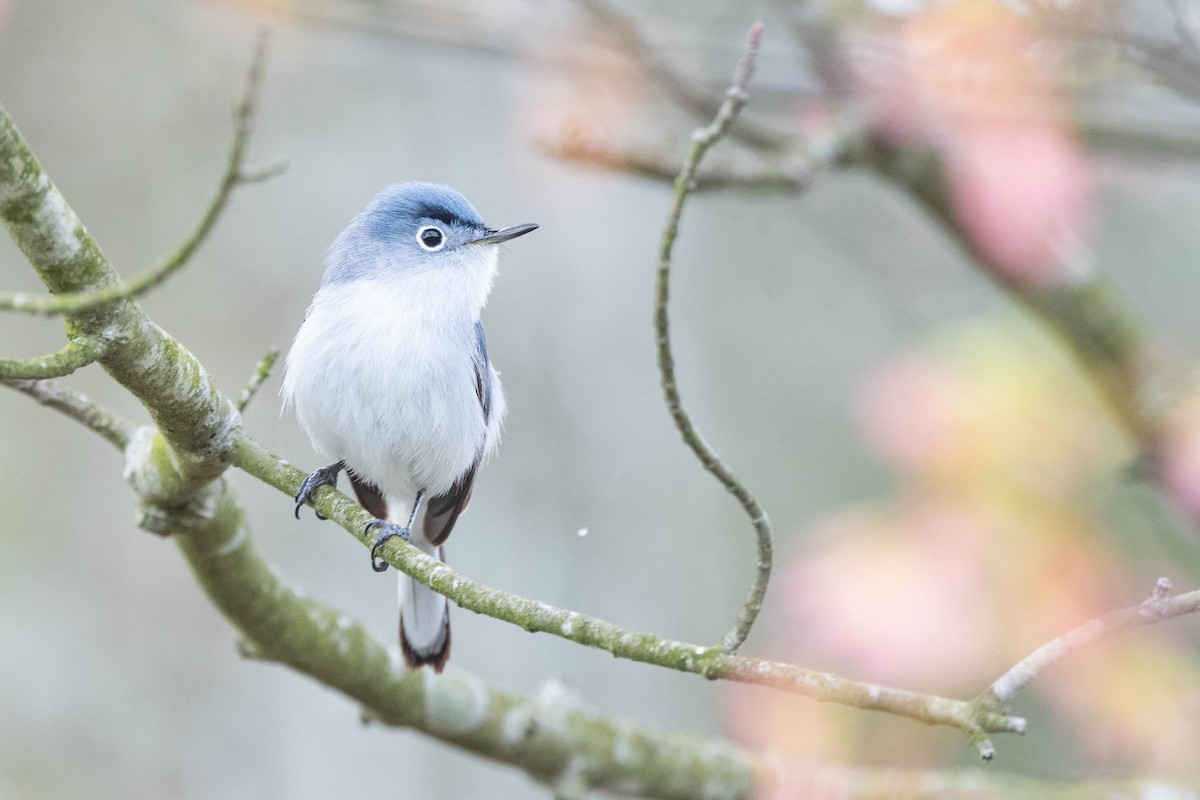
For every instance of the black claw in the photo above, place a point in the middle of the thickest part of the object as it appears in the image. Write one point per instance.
(389, 529)
(325, 476)
(377, 563)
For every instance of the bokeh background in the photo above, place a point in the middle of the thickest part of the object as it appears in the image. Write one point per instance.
(947, 490)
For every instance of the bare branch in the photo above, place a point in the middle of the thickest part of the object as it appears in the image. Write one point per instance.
(538, 617)
(1158, 607)
(75, 354)
(181, 397)
(256, 380)
(75, 302)
(696, 102)
(702, 140)
(552, 738)
(645, 163)
(77, 406)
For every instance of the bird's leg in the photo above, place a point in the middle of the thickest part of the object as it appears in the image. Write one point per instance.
(325, 476)
(389, 529)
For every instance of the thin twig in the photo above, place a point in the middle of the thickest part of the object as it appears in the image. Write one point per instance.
(234, 176)
(78, 406)
(256, 380)
(75, 354)
(695, 101)
(1156, 608)
(702, 140)
(782, 179)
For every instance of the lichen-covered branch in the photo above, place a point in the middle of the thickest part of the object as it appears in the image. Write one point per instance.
(73, 302)
(552, 736)
(77, 406)
(197, 420)
(75, 354)
(549, 737)
(702, 140)
(538, 617)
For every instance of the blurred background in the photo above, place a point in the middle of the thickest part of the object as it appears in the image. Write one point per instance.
(947, 488)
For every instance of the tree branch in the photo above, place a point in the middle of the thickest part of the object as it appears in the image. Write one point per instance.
(547, 737)
(694, 101)
(1158, 607)
(551, 736)
(256, 380)
(702, 140)
(197, 420)
(234, 176)
(784, 178)
(538, 617)
(75, 354)
(78, 407)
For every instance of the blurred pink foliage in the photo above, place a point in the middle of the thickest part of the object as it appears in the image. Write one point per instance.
(1179, 447)
(962, 78)
(990, 548)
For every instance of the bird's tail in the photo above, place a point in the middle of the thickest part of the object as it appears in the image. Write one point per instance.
(424, 617)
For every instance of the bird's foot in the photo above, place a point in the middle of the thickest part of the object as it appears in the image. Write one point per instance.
(325, 476)
(386, 531)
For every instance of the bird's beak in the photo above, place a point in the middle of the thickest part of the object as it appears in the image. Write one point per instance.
(503, 235)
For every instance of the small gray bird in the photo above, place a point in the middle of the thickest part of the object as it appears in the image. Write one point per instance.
(390, 377)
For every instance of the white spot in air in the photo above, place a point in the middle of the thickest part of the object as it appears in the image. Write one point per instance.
(582, 532)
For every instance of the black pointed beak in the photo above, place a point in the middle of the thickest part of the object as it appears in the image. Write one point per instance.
(504, 234)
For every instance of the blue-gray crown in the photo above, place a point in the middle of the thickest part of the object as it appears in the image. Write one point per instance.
(406, 203)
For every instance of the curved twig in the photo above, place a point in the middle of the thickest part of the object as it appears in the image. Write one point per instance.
(702, 140)
(75, 302)
(261, 372)
(75, 354)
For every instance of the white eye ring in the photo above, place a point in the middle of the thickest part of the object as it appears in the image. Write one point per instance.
(434, 234)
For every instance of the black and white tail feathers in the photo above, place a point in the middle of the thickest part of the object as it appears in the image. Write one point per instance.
(424, 614)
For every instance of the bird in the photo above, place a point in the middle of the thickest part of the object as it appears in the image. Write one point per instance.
(389, 376)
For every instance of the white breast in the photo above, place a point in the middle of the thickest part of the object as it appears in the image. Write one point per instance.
(387, 384)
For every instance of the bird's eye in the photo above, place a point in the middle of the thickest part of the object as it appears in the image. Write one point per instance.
(431, 238)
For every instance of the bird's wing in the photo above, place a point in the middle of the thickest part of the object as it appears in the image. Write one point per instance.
(368, 495)
(442, 512)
